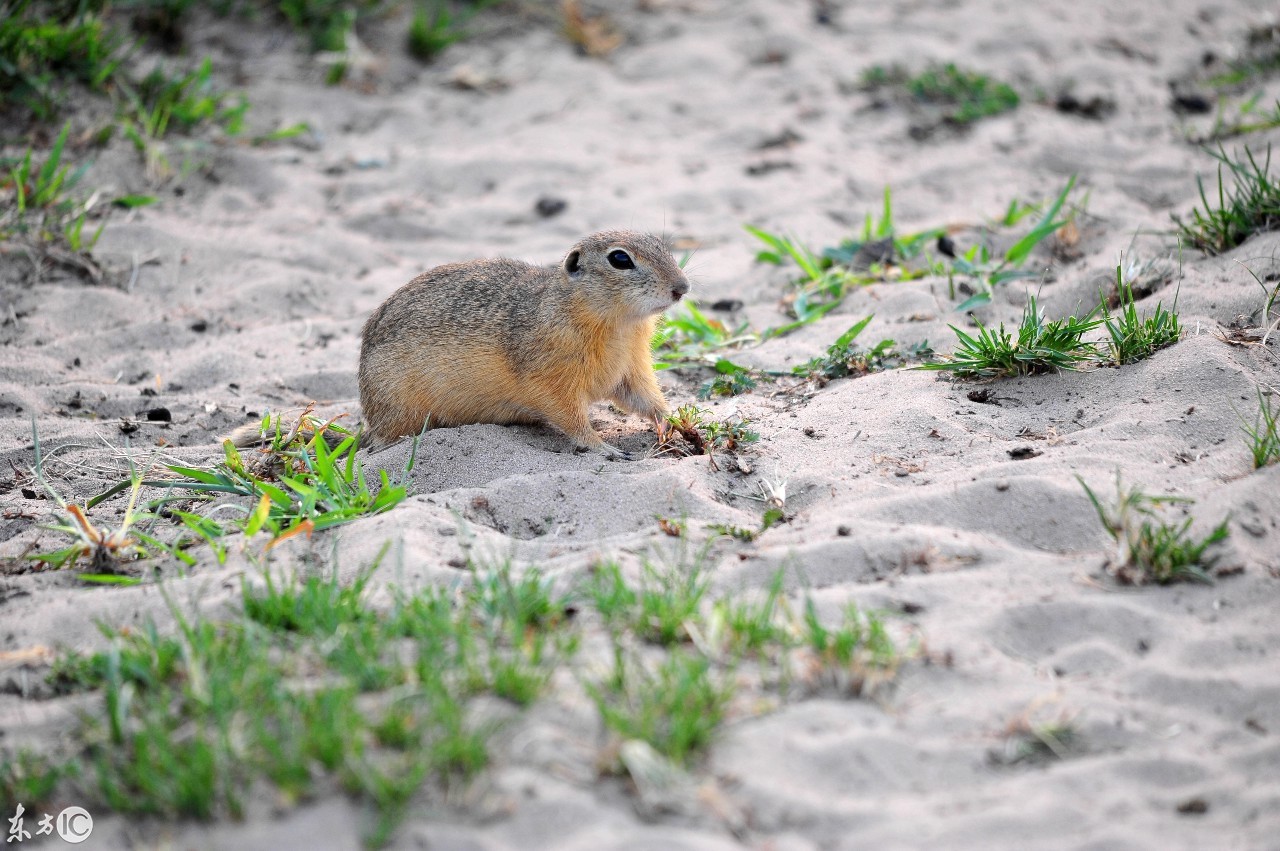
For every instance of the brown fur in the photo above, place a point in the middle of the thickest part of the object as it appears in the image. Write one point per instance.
(499, 341)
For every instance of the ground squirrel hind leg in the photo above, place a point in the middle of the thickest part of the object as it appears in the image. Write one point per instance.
(574, 422)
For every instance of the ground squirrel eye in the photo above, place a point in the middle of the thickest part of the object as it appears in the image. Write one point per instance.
(620, 259)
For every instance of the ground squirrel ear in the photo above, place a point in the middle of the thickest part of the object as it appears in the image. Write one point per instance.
(571, 264)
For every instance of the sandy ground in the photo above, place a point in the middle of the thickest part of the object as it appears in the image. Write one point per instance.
(264, 264)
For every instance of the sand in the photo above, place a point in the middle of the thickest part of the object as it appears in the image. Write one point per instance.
(246, 289)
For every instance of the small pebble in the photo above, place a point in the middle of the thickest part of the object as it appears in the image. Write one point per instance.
(726, 305)
(548, 207)
(1194, 807)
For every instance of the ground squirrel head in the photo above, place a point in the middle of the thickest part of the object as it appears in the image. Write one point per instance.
(626, 273)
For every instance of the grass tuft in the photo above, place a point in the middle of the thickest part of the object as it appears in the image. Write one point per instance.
(706, 436)
(1134, 337)
(1251, 205)
(44, 47)
(731, 379)
(688, 338)
(747, 626)
(431, 30)
(660, 610)
(29, 778)
(298, 483)
(1041, 346)
(963, 96)
(674, 705)
(771, 517)
(1264, 435)
(858, 653)
(160, 102)
(312, 606)
(1148, 550)
(845, 359)
(43, 207)
(988, 271)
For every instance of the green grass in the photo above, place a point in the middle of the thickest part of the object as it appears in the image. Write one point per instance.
(704, 435)
(659, 610)
(690, 339)
(989, 271)
(1134, 337)
(1247, 119)
(1251, 204)
(857, 652)
(882, 245)
(314, 688)
(296, 485)
(29, 778)
(432, 30)
(748, 626)
(881, 253)
(46, 51)
(1041, 346)
(514, 631)
(963, 96)
(311, 683)
(1148, 549)
(844, 359)
(967, 95)
(771, 517)
(1259, 57)
(324, 23)
(302, 485)
(43, 206)
(526, 603)
(675, 705)
(821, 289)
(1263, 436)
(327, 25)
(731, 379)
(159, 102)
(314, 606)
(686, 338)
(45, 47)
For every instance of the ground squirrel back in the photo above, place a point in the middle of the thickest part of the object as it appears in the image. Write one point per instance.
(501, 341)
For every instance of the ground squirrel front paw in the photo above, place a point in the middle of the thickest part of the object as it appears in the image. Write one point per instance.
(607, 450)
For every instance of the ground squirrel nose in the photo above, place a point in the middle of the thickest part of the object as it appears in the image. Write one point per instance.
(679, 290)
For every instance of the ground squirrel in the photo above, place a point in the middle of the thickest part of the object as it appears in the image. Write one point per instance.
(501, 341)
